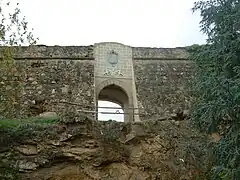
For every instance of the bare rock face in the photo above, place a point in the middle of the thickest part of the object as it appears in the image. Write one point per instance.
(48, 115)
(24, 165)
(90, 150)
(27, 149)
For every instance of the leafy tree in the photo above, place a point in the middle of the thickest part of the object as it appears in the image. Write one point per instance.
(217, 84)
(14, 32)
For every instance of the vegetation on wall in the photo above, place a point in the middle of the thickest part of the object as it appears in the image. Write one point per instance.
(217, 84)
(14, 32)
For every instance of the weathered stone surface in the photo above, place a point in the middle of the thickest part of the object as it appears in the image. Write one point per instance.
(158, 153)
(159, 53)
(42, 51)
(162, 87)
(52, 75)
(28, 149)
(86, 52)
(215, 137)
(24, 165)
(48, 115)
(186, 113)
(47, 87)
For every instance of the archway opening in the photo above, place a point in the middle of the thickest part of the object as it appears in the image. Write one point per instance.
(113, 104)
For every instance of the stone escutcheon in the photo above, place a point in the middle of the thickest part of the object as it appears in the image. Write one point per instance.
(113, 58)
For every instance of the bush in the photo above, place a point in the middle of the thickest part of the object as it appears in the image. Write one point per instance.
(14, 131)
(216, 87)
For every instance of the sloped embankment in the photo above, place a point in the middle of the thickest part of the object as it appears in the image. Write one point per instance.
(85, 149)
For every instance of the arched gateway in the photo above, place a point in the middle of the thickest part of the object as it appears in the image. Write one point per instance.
(114, 78)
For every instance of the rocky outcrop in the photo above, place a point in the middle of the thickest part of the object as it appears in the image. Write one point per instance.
(109, 150)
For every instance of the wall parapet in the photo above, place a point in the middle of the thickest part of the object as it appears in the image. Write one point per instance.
(140, 53)
(42, 52)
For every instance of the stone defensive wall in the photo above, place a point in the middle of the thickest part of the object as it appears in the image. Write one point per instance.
(148, 83)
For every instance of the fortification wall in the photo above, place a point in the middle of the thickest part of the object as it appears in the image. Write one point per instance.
(162, 86)
(54, 73)
(162, 77)
(52, 76)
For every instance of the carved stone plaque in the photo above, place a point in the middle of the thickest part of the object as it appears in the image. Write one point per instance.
(112, 72)
(112, 58)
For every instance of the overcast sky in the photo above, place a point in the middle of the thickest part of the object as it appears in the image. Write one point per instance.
(146, 23)
(153, 23)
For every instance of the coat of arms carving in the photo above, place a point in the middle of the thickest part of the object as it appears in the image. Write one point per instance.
(112, 72)
(113, 58)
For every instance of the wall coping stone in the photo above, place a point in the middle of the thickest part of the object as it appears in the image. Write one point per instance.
(43, 52)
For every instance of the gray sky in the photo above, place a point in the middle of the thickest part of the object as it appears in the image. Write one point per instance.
(147, 23)
(153, 23)
(102, 116)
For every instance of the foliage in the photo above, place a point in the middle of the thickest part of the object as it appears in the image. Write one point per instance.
(217, 83)
(14, 32)
(7, 173)
(13, 123)
(13, 26)
(13, 131)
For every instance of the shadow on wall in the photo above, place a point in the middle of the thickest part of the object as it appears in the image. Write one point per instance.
(114, 112)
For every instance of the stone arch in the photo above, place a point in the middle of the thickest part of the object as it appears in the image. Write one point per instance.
(115, 91)
(116, 82)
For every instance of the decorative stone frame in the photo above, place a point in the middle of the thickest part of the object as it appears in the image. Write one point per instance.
(116, 70)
